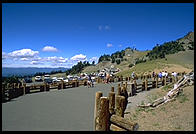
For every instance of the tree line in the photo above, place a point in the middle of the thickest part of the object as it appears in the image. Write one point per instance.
(159, 51)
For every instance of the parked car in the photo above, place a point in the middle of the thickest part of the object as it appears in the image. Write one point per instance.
(38, 78)
(49, 80)
(54, 79)
(61, 78)
(47, 76)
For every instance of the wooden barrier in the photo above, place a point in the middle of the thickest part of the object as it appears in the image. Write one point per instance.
(111, 102)
(22, 89)
(102, 119)
(120, 105)
(112, 89)
(109, 113)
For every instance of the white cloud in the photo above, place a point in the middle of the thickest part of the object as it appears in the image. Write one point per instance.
(4, 55)
(49, 49)
(79, 57)
(35, 62)
(24, 59)
(109, 45)
(56, 59)
(120, 45)
(23, 53)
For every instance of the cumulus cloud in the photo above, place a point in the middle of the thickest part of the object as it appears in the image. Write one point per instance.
(49, 49)
(23, 53)
(79, 57)
(56, 59)
(109, 45)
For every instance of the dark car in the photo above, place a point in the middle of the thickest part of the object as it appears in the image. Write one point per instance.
(48, 80)
(28, 80)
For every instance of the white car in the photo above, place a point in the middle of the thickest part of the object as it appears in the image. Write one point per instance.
(46, 77)
(54, 79)
(38, 78)
(61, 78)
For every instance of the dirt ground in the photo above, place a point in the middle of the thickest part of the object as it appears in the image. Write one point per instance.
(177, 115)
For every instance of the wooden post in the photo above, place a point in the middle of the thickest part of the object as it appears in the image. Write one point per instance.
(143, 85)
(24, 88)
(18, 86)
(126, 85)
(135, 85)
(132, 90)
(116, 128)
(146, 85)
(111, 102)
(98, 95)
(165, 80)
(62, 84)
(112, 89)
(157, 81)
(45, 86)
(120, 105)
(103, 115)
(123, 123)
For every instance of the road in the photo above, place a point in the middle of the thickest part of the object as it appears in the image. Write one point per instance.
(69, 109)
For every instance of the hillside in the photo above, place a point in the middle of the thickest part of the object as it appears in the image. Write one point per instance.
(177, 115)
(177, 56)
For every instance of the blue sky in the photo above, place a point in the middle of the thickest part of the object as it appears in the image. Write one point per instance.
(61, 34)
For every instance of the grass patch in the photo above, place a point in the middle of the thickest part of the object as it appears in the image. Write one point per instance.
(153, 113)
(168, 87)
(152, 98)
(178, 127)
(156, 124)
(163, 109)
(182, 98)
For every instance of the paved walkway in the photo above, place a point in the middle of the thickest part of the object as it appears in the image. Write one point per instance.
(69, 109)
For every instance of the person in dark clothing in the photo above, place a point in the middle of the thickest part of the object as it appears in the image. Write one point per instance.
(90, 82)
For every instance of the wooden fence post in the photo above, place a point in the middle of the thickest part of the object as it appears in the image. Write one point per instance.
(135, 85)
(120, 105)
(24, 88)
(157, 81)
(165, 80)
(103, 115)
(146, 85)
(112, 89)
(45, 86)
(111, 102)
(126, 85)
(98, 95)
(18, 86)
(62, 84)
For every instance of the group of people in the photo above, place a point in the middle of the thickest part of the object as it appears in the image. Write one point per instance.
(106, 79)
(160, 75)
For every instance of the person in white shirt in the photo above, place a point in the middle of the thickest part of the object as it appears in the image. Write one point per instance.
(175, 75)
(163, 73)
(166, 74)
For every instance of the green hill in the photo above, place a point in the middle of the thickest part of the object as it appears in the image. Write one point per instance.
(177, 56)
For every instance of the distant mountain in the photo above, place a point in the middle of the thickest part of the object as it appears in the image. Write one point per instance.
(8, 71)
